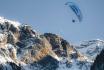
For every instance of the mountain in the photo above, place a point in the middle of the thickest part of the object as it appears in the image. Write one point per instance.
(91, 48)
(22, 48)
(99, 62)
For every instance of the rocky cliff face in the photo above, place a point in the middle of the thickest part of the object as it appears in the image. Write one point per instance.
(22, 48)
(99, 62)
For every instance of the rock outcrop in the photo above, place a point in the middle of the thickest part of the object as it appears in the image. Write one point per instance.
(99, 62)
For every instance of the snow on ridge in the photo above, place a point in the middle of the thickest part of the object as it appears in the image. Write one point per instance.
(88, 43)
(94, 40)
(5, 59)
(1, 37)
(15, 23)
(91, 48)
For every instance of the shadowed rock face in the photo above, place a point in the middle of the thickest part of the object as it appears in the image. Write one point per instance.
(9, 66)
(99, 62)
(59, 45)
(48, 63)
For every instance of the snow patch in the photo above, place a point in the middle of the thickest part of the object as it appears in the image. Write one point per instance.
(15, 23)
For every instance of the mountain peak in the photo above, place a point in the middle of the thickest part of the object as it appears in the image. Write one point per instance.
(22, 48)
(4, 21)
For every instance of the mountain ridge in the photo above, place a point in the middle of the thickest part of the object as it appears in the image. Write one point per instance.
(22, 48)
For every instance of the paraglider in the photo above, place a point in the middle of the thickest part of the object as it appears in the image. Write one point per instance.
(76, 10)
(73, 20)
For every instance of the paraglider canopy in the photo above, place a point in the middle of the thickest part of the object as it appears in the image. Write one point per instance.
(76, 10)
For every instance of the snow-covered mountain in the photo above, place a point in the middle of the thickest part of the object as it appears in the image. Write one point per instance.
(91, 48)
(22, 48)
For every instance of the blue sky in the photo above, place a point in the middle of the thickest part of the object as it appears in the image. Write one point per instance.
(53, 16)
